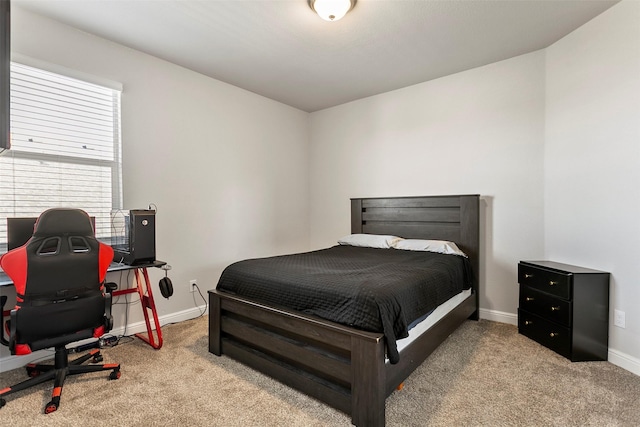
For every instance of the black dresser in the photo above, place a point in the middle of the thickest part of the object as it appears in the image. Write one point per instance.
(565, 308)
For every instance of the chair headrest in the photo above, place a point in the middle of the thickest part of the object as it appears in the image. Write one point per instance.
(58, 221)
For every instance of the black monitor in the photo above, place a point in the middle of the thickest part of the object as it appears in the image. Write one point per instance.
(20, 230)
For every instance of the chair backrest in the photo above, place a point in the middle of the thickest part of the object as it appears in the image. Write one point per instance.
(58, 275)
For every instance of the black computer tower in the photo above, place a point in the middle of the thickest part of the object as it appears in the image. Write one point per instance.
(140, 242)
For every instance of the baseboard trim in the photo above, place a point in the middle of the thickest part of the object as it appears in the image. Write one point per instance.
(167, 319)
(13, 362)
(499, 316)
(624, 361)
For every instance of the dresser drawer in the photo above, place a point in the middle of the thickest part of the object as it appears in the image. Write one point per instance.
(546, 306)
(549, 334)
(548, 281)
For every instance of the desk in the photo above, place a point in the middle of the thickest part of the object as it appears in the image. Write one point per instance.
(143, 288)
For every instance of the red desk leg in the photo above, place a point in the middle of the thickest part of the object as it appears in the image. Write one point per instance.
(143, 287)
(148, 305)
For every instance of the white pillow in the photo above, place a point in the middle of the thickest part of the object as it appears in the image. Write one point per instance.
(439, 246)
(369, 240)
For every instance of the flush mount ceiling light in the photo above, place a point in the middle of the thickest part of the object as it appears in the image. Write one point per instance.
(331, 10)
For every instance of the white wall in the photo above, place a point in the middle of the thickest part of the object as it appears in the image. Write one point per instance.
(226, 168)
(592, 160)
(476, 132)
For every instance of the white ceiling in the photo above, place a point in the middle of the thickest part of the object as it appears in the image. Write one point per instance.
(282, 50)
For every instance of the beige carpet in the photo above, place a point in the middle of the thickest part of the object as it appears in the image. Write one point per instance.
(485, 374)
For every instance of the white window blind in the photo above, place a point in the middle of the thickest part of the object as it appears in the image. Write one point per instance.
(65, 148)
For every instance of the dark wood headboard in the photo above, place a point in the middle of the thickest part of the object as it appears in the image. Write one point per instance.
(455, 218)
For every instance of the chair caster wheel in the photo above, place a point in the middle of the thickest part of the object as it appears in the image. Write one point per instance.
(32, 372)
(114, 375)
(2, 402)
(97, 359)
(51, 407)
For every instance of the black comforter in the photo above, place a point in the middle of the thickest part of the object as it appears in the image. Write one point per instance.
(379, 290)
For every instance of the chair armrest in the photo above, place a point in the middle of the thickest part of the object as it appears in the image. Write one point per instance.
(11, 343)
(108, 318)
(12, 332)
(110, 287)
(3, 301)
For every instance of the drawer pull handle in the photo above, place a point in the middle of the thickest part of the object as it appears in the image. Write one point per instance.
(553, 334)
(528, 276)
(552, 283)
(555, 308)
(528, 322)
(529, 299)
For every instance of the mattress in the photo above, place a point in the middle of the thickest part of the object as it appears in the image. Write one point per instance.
(378, 290)
(433, 318)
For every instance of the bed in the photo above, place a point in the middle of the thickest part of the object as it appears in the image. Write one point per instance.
(346, 367)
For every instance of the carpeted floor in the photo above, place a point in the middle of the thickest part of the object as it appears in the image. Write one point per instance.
(485, 374)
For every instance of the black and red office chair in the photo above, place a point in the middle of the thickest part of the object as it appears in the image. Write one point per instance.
(61, 297)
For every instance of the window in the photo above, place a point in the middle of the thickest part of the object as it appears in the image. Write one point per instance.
(65, 148)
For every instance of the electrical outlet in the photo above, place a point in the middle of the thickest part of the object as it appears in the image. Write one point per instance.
(193, 285)
(619, 318)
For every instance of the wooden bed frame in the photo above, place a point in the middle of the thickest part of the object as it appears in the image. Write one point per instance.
(342, 366)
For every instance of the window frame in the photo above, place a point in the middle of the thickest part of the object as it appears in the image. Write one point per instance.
(114, 164)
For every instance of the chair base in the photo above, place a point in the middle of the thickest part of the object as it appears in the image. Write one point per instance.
(58, 372)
